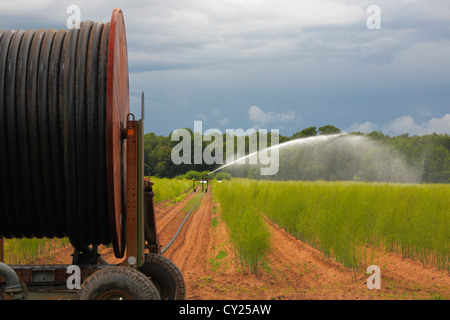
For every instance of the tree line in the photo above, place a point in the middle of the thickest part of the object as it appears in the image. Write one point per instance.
(429, 155)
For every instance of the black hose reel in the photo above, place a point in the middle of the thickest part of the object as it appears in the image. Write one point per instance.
(64, 99)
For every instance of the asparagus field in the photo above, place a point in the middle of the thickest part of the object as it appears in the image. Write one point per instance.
(344, 220)
(294, 240)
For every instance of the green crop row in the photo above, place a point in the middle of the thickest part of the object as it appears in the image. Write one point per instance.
(248, 230)
(169, 189)
(25, 251)
(342, 219)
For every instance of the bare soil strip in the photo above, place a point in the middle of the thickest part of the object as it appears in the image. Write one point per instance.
(190, 250)
(167, 215)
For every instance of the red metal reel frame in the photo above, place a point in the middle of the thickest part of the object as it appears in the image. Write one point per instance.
(117, 109)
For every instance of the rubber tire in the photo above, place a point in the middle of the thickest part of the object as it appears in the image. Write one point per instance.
(166, 276)
(133, 284)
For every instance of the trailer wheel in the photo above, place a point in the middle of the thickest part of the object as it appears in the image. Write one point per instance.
(166, 276)
(118, 283)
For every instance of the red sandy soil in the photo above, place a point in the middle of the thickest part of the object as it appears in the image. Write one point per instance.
(292, 270)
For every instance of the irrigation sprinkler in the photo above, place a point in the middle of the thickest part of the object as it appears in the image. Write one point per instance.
(72, 164)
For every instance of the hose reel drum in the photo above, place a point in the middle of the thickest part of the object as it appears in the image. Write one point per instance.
(64, 102)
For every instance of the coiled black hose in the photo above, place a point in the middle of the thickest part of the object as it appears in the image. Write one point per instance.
(53, 134)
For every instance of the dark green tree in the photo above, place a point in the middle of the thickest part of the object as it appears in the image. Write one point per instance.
(307, 132)
(329, 129)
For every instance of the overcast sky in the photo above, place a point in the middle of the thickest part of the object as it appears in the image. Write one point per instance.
(287, 64)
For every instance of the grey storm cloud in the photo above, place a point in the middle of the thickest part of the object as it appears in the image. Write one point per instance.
(183, 34)
(316, 59)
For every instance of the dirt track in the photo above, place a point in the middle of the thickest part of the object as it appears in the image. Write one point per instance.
(293, 270)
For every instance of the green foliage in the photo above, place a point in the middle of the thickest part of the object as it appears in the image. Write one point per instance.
(169, 189)
(216, 262)
(329, 129)
(308, 132)
(25, 251)
(214, 222)
(376, 135)
(190, 175)
(195, 175)
(429, 154)
(222, 176)
(158, 161)
(194, 201)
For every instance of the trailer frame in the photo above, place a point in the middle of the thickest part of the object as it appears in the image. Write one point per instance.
(141, 237)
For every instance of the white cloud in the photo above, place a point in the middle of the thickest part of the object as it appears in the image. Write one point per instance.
(365, 127)
(224, 121)
(441, 125)
(202, 117)
(406, 124)
(261, 118)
